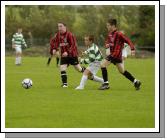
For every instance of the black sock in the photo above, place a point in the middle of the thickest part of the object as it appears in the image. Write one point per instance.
(83, 69)
(57, 61)
(64, 77)
(128, 76)
(105, 75)
(49, 59)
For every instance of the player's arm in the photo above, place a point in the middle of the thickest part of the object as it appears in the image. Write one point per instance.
(107, 46)
(54, 46)
(23, 42)
(72, 42)
(91, 57)
(127, 40)
(13, 40)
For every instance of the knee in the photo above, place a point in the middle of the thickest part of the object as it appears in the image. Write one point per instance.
(63, 68)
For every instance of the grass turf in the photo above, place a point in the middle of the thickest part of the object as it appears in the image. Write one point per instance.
(47, 105)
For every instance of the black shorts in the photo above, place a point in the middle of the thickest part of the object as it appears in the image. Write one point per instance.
(69, 60)
(113, 60)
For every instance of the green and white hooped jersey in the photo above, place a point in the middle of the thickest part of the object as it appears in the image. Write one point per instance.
(93, 53)
(18, 39)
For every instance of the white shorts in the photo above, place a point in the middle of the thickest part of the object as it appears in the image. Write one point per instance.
(18, 49)
(124, 52)
(94, 67)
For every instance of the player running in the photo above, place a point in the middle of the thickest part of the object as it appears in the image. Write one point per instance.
(66, 42)
(17, 42)
(94, 59)
(115, 41)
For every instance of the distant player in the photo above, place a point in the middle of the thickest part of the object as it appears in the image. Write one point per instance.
(115, 41)
(53, 53)
(17, 42)
(65, 42)
(94, 59)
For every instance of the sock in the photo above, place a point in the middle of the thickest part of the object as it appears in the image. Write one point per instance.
(83, 69)
(49, 59)
(83, 81)
(16, 60)
(64, 77)
(57, 61)
(98, 79)
(19, 60)
(105, 75)
(135, 80)
(128, 76)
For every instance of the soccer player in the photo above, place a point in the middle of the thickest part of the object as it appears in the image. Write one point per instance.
(66, 42)
(53, 53)
(115, 41)
(17, 42)
(94, 59)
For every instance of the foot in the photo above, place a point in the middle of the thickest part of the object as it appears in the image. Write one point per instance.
(64, 86)
(79, 88)
(18, 64)
(104, 86)
(137, 84)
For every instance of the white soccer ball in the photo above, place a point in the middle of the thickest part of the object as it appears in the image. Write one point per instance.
(27, 83)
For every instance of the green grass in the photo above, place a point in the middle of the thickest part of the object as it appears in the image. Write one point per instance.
(47, 105)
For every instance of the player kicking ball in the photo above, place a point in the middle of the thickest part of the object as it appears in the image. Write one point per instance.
(94, 59)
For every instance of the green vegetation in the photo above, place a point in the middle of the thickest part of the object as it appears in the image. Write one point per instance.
(47, 105)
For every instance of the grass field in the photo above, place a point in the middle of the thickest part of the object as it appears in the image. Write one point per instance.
(47, 105)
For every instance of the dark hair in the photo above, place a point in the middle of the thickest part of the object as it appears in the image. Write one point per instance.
(91, 37)
(61, 23)
(112, 21)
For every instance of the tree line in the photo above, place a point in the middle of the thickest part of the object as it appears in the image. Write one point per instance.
(137, 22)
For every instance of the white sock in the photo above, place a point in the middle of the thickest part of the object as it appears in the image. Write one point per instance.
(16, 60)
(98, 79)
(134, 81)
(19, 60)
(83, 81)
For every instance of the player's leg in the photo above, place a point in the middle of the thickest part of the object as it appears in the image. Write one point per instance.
(83, 79)
(63, 69)
(104, 64)
(128, 75)
(18, 55)
(74, 61)
(93, 68)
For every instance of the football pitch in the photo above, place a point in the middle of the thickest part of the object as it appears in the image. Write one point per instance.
(48, 105)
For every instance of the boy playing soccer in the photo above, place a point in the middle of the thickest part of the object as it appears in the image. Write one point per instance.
(93, 60)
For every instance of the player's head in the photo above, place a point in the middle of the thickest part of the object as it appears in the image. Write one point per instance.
(111, 24)
(61, 27)
(89, 39)
(19, 29)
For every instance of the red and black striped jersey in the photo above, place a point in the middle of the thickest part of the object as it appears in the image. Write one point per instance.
(115, 41)
(66, 42)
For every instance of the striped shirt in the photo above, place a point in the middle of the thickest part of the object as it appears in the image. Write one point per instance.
(115, 41)
(93, 53)
(18, 39)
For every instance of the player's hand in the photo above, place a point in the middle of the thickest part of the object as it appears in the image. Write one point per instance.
(13, 46)
(79, 59)
(83, 53)
(65, 54)
(133, 52)
(54, 52)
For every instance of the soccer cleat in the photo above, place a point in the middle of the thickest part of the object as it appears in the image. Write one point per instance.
(64, 86)
(137, 84)
(79, 88)
(104, 86)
